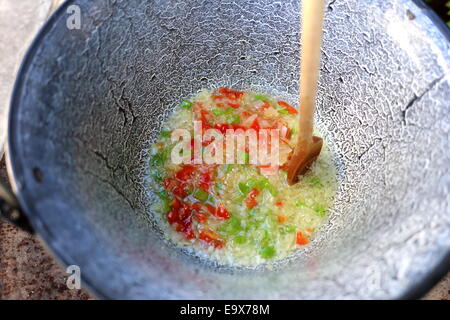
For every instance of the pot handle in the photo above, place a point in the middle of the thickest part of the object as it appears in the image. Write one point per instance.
(11, 211)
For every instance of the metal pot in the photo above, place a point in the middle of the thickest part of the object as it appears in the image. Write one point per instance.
(88, 102)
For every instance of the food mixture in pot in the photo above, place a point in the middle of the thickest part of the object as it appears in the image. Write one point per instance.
(241, 213)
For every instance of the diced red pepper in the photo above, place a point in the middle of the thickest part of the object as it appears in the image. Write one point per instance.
(196, 206)
(185, 172)
(282, 219)
(176, 187)
(231, 94)
(172, 216)
(222, 127)
(288, 133)
(205, 126)
(210, 237)
(255, 125)
(251, 201)
(204, 113)
(180, 191)
(233, 105)
(291, 110)
(200, 216)
(184, 223)
(184, 212)
(288, 107)
(265, 106)
(206, 142)
(279, 203)
(222, 212)
(186, 230)
(203, 117)
(205, 180)
(189, 233)
(237, 126)
(211, 209)
(175, 203)
(301, 238)
(166, 183)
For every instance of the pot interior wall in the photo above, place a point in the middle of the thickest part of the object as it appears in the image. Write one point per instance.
(90, 101)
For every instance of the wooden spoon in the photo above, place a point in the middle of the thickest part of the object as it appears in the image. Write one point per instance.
(308, 146)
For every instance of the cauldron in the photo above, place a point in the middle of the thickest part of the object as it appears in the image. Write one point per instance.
(89, 101)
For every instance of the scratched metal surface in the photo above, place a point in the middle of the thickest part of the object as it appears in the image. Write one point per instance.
(91, 100)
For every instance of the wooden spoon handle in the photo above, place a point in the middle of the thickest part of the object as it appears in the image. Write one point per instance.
(308, 147)
(312, 23)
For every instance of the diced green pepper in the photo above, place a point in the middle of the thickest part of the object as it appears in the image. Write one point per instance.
(163, 195)
(235, 224)
(233, 119)
(268, 225)
(165, 134)
(267, 252)
(218, 112)
(165, 199)
(189, 190)
(243, 188)
(166, 206)
(260, 97)
(218, 186)
(289, 229)
(245, 156)
(232, 226)
(159, 158)
(261, 184)
(264, 183)
(253, 212)
(315, 182)
(318, 208)
(201, 195)
(301, 204)
(240, 239)
(252, 183)
(186, 104)
(156, 175)
(272, 190)
(239, 197)
(283, 111)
